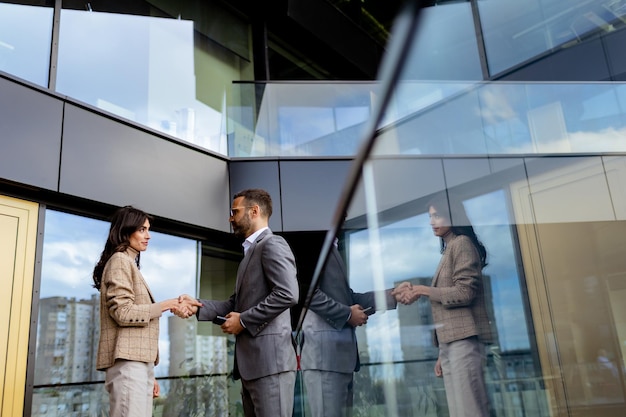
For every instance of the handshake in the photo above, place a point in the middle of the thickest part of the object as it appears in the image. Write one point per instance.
(406, 293)
(184, 306)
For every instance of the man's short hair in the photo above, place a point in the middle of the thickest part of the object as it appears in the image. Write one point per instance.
(257, 196)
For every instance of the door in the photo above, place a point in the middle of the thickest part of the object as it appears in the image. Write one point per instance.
(18, 235)
(572, 227)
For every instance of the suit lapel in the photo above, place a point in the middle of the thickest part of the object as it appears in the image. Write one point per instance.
(243, 266)
(339, 260)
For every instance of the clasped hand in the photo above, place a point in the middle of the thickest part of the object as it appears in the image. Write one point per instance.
(406, 293)
(187, 306)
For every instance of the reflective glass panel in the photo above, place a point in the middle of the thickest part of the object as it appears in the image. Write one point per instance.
(299, 119)
(552, 284)
(429, 118)
(504, 118)
(516, 169)
(25, 39)
(169, 74)
(515, 32)
(445, 46)
(388, 239)
(68, 319)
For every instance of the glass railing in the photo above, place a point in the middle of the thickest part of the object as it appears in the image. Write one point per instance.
(298, 119)
(201, 394)
(429, 118)
(504, 118)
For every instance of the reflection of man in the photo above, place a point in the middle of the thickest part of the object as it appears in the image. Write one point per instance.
(329, 346)
(258, 312)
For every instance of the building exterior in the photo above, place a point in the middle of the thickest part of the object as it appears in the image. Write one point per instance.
(518, 110)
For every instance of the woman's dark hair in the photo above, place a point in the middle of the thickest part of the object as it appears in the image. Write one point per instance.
(124, 222)
(459, 223)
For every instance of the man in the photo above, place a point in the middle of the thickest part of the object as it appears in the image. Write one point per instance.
(329, 345)
(258, 312)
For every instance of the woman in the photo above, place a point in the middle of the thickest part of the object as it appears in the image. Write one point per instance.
(458, 305)
(129, 317)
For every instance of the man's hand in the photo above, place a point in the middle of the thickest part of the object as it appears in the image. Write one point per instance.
(357, 316)
(232, 325)
(406, 293)
(187, 306)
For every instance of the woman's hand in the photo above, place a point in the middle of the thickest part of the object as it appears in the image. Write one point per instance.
(156, 391)
(438, 370)
(185, 306)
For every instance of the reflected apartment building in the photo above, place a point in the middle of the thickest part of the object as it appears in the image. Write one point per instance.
(517, 110)
(67, 340)
(66, 352)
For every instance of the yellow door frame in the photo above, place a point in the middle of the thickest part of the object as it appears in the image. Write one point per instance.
(18, 239)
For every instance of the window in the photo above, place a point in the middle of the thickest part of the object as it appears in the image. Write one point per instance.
(65, 363)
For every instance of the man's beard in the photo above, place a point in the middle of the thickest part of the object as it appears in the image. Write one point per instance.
(241, 228)
(239, 233)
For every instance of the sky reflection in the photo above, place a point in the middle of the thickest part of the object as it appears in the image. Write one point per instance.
(72, 246)
(409, 250)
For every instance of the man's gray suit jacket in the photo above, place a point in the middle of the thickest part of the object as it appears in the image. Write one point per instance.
(329, 343)
(265, 290)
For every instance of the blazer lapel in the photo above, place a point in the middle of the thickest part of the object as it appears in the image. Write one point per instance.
(436, 276)
(148, 289)
(143, 281)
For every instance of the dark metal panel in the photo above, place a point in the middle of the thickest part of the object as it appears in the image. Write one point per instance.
(258, 174)
(615, 51)
(30, 135)
(111, 162)
(310, 192)
(418, 178)
(582, 62)
(463, 171)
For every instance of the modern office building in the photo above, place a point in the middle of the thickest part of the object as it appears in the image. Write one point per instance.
(517, 109)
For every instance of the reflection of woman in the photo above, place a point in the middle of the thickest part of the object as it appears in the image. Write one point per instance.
(459, 313)
(129, 317)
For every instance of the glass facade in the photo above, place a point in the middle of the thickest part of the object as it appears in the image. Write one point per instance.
(547, 204)
(554, 279)
(539, 168)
